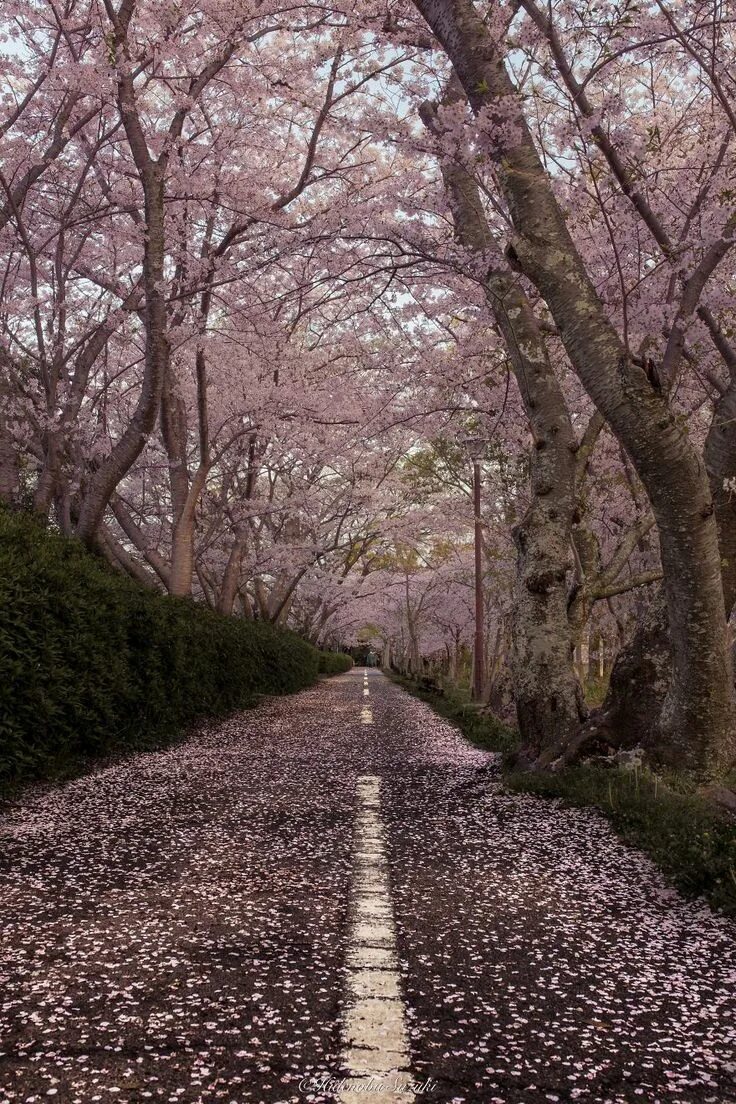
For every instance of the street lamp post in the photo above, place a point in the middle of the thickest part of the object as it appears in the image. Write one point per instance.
(476, 447)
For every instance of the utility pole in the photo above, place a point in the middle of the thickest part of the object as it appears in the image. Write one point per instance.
(479, 649)
(476, 447)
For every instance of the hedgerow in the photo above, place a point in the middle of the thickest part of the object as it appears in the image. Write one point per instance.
(334, 663)
(90, 662)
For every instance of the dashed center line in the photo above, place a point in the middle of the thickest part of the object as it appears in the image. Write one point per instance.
(366, 714)
(375, 1039)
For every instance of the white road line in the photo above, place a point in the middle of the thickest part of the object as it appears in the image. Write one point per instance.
(366, 715)
(375, 1038)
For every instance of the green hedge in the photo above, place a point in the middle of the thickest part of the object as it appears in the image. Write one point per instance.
(90, 662)
(334, 663)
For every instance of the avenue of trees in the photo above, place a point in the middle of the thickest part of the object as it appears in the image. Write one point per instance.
(265, 269)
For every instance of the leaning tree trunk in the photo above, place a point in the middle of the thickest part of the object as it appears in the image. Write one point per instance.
(699, 723)
(642, 674)
(548, 696)
(231, 577)
(103, 482)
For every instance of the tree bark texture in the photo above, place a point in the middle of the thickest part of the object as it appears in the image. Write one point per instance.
(549, 701)
(699, 721)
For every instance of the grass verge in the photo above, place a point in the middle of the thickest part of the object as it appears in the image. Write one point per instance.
(479, 728)
(692, 842)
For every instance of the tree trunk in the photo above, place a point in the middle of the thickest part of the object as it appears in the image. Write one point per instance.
(121, 560)
(182, 541)
(182, 557)
(720, 463)
(699, 721)
(582, 655)
(549, 701)
(231, 577)
(642, 673)
(48, 479)
(138, 539)
(9, 465)
(183, 503)
(639, 683)
(102, 483)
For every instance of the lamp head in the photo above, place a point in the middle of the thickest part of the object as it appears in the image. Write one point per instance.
(475, 446)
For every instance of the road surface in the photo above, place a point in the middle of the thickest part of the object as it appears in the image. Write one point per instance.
(330, 898)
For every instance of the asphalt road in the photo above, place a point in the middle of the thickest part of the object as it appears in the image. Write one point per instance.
(335, 886)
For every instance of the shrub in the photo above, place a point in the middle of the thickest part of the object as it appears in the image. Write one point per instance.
(334, 663)
(90, 662)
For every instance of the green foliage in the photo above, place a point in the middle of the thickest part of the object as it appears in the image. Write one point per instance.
(596, 689)
(91, 663)
(477, 725)
(334, 663)
(692, 842)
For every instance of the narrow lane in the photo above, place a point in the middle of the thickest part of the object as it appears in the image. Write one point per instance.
(187, 926)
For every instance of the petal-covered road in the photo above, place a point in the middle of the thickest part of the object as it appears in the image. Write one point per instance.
(182, 927)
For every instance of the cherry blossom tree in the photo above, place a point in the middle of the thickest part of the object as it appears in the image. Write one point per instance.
(265, 266)
(698, 718)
